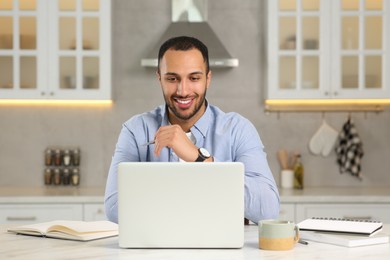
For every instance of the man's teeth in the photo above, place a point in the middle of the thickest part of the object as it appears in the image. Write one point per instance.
(183, 101)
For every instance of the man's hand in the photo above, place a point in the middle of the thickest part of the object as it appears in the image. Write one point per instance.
(174, 137)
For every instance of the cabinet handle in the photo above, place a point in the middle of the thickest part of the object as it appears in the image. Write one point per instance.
(31, 218)
(326, 93)
(335, 93)
(51, 93)
(43, 93)
(358, 217)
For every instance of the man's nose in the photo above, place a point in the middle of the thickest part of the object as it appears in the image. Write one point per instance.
(183, 88)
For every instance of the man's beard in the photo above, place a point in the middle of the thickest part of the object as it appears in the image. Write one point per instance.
(180, 116)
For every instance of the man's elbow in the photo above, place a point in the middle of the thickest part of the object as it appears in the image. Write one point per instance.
(111, 210)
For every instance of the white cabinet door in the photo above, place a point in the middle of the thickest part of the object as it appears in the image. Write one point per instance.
(94, 212)
(34, 213)
(359, 211)
(56, 50)
(287, 211)
(328, 49)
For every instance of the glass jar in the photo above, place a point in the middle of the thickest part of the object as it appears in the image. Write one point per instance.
(57, 157)
(76, 157)
(66, 176)
(48, 176)
(75, 177)
(57, 178)
(48, 157)
(66, 159)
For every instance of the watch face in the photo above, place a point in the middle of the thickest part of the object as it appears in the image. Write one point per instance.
(204, 152)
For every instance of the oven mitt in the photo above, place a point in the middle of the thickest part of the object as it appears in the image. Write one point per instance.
(349, 150)
(323, 140)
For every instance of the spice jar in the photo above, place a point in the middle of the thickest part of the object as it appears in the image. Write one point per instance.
(76, 157)
(66, 176)
(48, 177)
(66, 158)
(75, 177)
(57, 177)
(57, 157)
(48, 157)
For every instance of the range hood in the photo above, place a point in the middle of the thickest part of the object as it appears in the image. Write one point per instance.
(189, 18)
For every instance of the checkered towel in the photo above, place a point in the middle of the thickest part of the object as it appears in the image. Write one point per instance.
(349, 150)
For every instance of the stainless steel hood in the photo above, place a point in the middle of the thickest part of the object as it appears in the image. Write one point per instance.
(189, 18)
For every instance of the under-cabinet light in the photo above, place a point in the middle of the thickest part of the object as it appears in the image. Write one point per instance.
(326, 105)
(38, 102)
(313, 102)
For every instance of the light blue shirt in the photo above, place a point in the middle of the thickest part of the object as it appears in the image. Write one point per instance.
(228, 137)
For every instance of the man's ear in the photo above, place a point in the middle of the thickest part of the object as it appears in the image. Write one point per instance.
(158, 75)
(209, 76)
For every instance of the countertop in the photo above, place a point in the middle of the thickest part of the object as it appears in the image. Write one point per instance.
(54, 194)
(51, 194)
(336, 195)
(28, 247)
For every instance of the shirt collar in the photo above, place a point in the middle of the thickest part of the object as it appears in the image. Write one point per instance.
(202, 125)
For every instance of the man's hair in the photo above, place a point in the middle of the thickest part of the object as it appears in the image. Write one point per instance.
(184, 43)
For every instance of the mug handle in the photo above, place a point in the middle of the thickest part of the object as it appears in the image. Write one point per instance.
(296, 238)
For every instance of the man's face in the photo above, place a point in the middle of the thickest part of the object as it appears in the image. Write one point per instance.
(184, 83)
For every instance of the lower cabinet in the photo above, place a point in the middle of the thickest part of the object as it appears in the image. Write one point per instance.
(287, 211)
(34, 213)
(94, 212)
(357, 211)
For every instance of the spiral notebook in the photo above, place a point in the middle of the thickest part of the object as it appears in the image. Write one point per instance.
(340, 225)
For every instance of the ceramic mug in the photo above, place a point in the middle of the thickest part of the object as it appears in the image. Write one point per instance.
(277, 234)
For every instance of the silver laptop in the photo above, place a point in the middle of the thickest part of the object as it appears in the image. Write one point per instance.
(181, 205)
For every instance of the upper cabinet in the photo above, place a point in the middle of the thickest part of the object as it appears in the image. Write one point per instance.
(55, 49)
(328, 49)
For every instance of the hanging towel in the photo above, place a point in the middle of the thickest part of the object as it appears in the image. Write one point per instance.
(323, 140)
(349, 150)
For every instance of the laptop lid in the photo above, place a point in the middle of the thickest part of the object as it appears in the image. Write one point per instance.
(181, 205)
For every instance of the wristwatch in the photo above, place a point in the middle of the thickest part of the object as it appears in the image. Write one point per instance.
(203, 154)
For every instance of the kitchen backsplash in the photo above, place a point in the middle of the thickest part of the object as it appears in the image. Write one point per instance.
(26, 131)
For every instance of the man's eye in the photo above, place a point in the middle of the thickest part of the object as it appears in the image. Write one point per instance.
(195, 78)
(171, 79)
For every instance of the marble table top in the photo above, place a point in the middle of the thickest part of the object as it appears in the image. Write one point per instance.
(28, 247)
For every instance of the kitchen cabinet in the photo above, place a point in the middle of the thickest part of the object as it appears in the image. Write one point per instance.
(287, 211)
(55, 49)
(358, 211)
(33, 213)
(328, 49)
(94, 212)
(42, 212)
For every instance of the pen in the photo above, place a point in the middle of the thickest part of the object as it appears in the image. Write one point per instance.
(149, 143)
(303, 242)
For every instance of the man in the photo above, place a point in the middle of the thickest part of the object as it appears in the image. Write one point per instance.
(187, 128)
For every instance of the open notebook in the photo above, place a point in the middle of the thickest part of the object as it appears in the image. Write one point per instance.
(69, 229)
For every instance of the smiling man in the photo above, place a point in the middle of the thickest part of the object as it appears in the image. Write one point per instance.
(187, 128)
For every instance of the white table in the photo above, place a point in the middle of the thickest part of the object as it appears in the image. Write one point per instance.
(27, 247)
